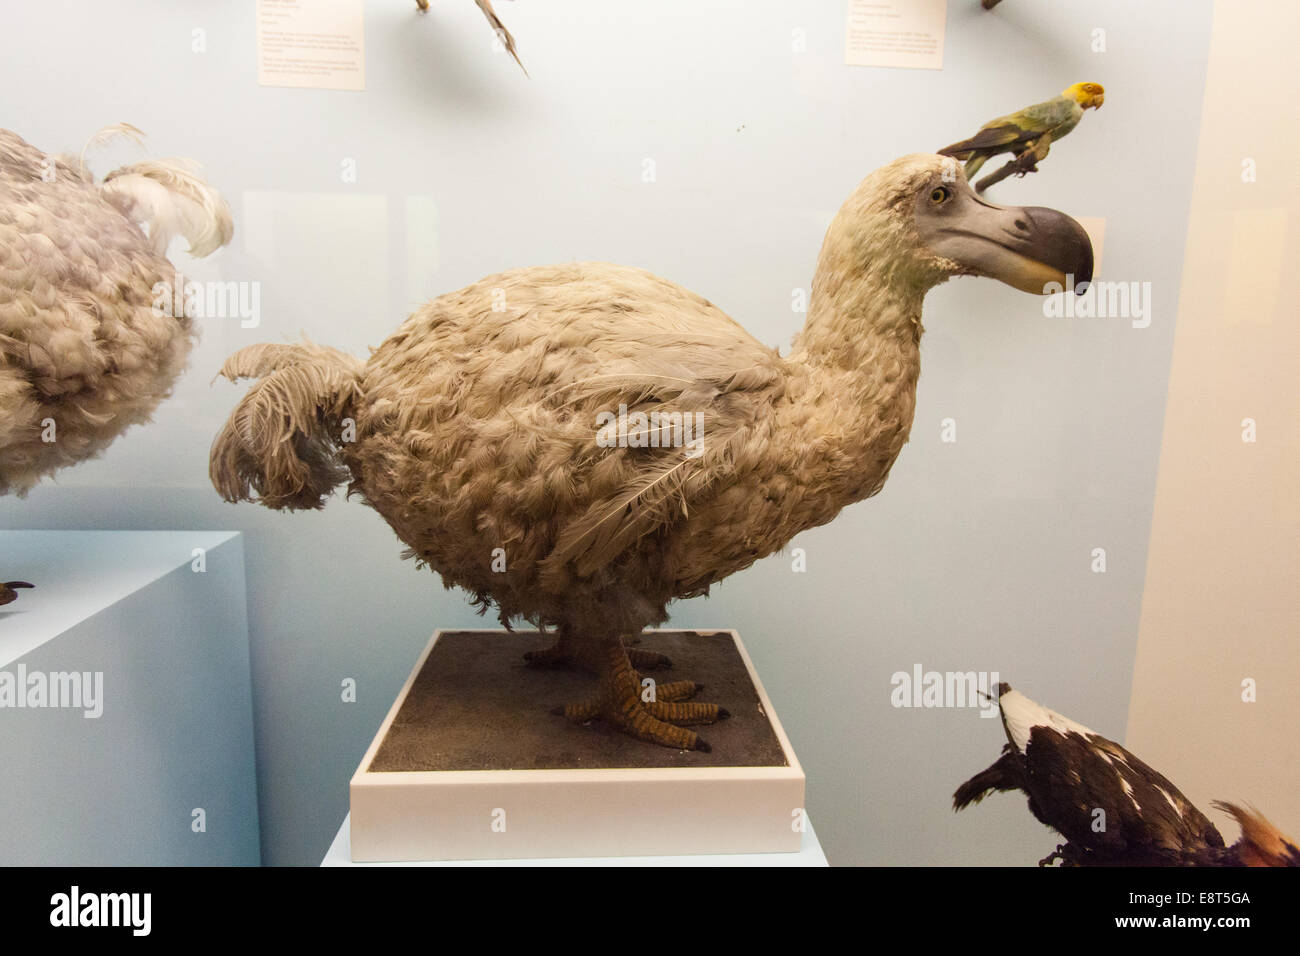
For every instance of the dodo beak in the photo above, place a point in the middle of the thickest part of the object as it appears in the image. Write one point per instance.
(1027, 247)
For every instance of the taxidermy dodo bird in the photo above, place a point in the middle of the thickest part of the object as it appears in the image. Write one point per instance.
(84, 352)
(483, 423)
(1112, 808)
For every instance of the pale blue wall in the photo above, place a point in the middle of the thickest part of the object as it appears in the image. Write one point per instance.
(976, 556)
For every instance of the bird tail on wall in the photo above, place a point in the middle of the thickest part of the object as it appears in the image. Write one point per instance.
(281, 444)
(166, 195)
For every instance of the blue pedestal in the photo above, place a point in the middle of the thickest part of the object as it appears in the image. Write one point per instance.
(139, 749)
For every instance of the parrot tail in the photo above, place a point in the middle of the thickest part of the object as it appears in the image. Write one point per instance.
(281, 444)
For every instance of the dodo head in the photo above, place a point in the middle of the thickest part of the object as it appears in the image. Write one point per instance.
(921, 215)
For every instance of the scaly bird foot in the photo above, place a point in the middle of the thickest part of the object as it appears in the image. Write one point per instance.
(1063, 852)
(674, 690)
(648, 660)
(620, 701)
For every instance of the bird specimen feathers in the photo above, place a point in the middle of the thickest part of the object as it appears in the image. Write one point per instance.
(1111, 807)
(494, 21)
(475, 430)
(1027, 134)
(84, 352)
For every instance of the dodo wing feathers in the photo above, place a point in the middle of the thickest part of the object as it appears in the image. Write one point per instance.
(723, 381)
(540, 355)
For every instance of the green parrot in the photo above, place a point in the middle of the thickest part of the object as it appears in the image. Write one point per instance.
(1027, 134)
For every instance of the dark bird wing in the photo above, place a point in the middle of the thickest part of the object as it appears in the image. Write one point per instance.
(1105, 800)
(995, 138)
(721, 370)
(1057, 115)
(1007, 773)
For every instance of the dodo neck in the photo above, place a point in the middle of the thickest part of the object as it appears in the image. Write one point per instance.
(863, 305)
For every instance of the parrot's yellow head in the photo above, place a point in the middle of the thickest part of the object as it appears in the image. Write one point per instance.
(1088, 95)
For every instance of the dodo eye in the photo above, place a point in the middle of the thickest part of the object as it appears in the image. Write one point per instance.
(938, 194)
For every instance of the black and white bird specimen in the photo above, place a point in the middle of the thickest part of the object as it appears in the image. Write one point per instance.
(1112, 808)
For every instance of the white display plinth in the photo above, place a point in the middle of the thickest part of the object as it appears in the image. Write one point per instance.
(413, 815)
(810, 854)
(165, 774)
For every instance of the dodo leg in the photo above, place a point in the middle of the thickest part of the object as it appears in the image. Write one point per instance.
(559, 654)
(619, 700)
(565, 652)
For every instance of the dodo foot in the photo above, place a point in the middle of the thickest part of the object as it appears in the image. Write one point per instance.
(648, 660)
(675, 690)
(659, 719)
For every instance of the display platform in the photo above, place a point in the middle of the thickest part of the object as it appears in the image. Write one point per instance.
(470, 763)
(126, 720)
(809, 854)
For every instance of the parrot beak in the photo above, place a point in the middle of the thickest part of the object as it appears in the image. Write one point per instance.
(1028, 248)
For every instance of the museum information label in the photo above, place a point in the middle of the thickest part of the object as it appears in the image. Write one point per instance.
(312, 44)
(902, 33)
